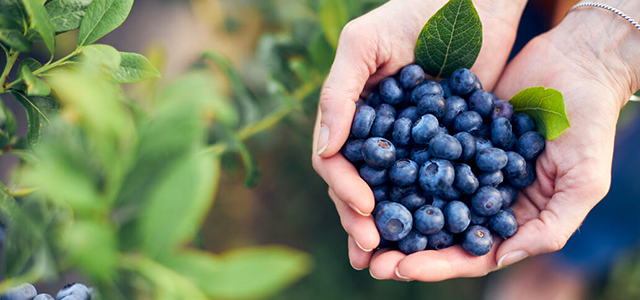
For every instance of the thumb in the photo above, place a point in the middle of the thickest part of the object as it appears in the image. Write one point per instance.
(355, 61)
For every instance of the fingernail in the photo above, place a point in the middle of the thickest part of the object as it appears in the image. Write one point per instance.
(323, 138)
(362, 248)
(376, 278)
(357, 269)
(512, 258)
(402, 277)
(357, 210)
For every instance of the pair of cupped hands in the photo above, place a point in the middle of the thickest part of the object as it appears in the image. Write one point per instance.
(573, 173)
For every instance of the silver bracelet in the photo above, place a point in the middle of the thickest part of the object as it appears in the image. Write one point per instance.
(607, 7)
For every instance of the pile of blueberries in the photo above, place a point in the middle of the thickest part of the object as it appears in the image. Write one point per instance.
(73, 291)
(444, 160)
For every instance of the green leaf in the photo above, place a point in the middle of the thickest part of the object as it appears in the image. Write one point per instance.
(33, 117)
(15, 40)
(40, 22)
(66, 15)
(133, 68)
(333, 16)
(252, 171)
(92, 247)
(31, 63)
(103, 55)
(248, 273)
(546, 107)
(8, 125)
(450, 40)
(177, 205)
(13, 15)
(35, 85)
(102, 17)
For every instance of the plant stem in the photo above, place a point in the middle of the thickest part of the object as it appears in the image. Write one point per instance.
(48, 66)
(11, 60)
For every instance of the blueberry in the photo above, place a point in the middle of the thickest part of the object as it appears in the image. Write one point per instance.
(435, 175)
(381, 193)
(385, 110)
(466, 181)
(487, 201)
(523, 123)
(71, 297)
(462, 82)
(502, 109)
(413, 242)
(468, 121)
(503, 224)
(482, 144)
(424, 129)
(413, 201)
(509, 195)
(489, 160)
(396, 193)
(513, 143)
(525, 179)
(374, 99)
(362, 121)
(495, 97)
(429, 87)
(501, 132)
(484, 131)
(516, 164)
(477, 84)
(445, 146)
(492, 179)
(477, 219)
(402, 132)
(439, 240)
(43, 297)
(443, 130)
(438, 202)
(379, 206)
(477, 240)
(420, 155)
(406, 101)
(481, 102)
(393, 221)
(530, 145)
(373, 176)
(391, 91)
(411, 76)
(352, 151)
(24, 291)
(403, 152)
(468, 144)
(445, 88)
(450, 193)
(428, 219)
(403, 172)
(455, 106)
(410, 113)
(509, 210)
(432, 104)
(75, 289)
(383, 123)
(360, 103)
(457, 216)
(378, 152)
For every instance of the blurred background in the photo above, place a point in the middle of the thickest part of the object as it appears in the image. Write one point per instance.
(284, 48)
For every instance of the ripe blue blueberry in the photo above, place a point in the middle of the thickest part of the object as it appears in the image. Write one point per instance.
(391, 91)
(509, 195)
(428, 87)
(509, 210)
(438, 202)
(432, 104)
(24, 291)
(373, 176)
(502, 109)
(360, 103)
(379, 206)
(352, 151)
(481, 102)
(468, 121)
(489, 160)
(468, 144)
(413, 242)
(477, 240)
(424, 129)
(383, 123)
(396, 192)
(445, 88)
(530, 145)
(501, 132)
(477, 219)
(525, 179)
(482, 144)
(72, 297)
(457, 216)
(428, 219)
(462, 82)
(443, 130)
(513, 143)
(516, 164)
(450, 193)
(411, 76)
(402, 132)
(381, 193)
(403, 172)
(503, 224)
(487, 201)
(413, 201)
(523, 123)
(435, 175)
(385, 110)
(393, 221)
(374, 99)
(466, 181)
(420, 155)
(403, 152)
(410, 113)
(75, 289)
(495, 97)
(44, 297)
(440, 240)
(477, 85)
(484, 131)
(445, 146)
(378, 152)
(362, 121)
(492, 179)
(455, 106)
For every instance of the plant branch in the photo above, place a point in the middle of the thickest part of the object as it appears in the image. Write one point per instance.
(48, 66)
(11, 60)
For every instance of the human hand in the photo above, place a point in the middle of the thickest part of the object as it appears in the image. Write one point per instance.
(371, 48)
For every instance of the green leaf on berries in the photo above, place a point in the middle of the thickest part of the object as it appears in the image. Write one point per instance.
(102, 17)
(546, 107)
(333, 16)
(133, 68)
(450, 40)
(66, 15)
(15, 40)
(40, 22)
(35, 85)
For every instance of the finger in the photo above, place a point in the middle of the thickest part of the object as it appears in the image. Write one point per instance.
(358, 258)
(452, 262)
(361, 228)
(355, 61)
(384, 263)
